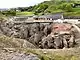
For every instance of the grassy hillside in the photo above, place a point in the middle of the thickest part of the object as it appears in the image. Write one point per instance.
(51, 54)
(75, 12)
(53, 6)
(24, 13)
(10, 42)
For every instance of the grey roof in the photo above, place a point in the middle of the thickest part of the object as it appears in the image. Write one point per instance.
(54, 16)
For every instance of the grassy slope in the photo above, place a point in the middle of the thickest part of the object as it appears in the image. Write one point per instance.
(24, 13)
(52, 54)
(10, 42)
(49, 54)
(43, 54)
(76, 12)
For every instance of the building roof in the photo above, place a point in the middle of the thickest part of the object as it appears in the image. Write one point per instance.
(53, 16)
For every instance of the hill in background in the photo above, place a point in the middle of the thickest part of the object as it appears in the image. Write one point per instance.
(67, 7)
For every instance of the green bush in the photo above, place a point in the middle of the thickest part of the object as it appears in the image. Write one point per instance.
(66, 6)
(9, 13)
(41, 8)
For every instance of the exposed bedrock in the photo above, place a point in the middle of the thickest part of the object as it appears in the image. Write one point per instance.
(38, 34)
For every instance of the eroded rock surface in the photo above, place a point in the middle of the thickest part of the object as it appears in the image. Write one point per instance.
(39, 34)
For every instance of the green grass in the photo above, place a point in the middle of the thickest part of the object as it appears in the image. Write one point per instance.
(57, 11)
(24, 13)
(72, 14)
(53, 56)
(76, 9)
(7, 42)
(3, 17)
(75, 12)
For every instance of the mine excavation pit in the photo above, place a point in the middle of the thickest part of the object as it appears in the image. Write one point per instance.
(44, 35)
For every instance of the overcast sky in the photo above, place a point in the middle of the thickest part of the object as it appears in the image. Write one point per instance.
(18, 3)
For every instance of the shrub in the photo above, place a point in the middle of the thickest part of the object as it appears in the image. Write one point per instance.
(66, 6)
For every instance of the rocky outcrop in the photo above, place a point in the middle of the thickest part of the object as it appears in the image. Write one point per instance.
(39, 34)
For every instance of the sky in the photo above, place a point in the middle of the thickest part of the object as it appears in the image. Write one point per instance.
(18, 3)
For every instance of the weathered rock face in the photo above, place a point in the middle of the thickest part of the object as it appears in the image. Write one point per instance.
(38, 34)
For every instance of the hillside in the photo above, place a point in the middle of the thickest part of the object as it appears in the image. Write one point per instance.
(10, 42)
(15, 48)
(68, 8)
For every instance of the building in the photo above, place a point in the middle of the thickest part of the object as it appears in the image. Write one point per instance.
(49, 17)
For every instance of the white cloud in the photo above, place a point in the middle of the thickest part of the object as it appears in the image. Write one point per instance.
(18, 3)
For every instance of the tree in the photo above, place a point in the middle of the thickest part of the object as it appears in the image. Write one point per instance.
(66, 7)
(41, 8)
